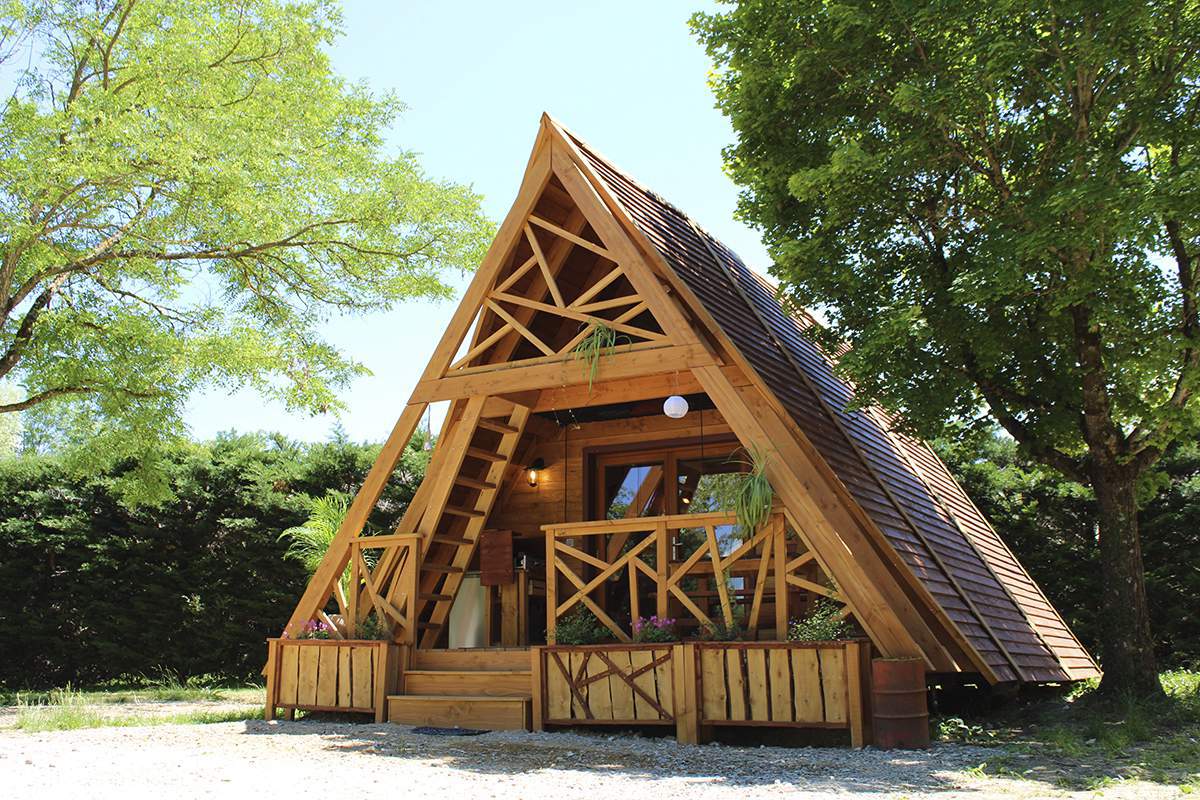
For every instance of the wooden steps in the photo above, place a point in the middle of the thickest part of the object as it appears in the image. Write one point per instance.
(461, 711)
(472, 658)
(496, 425)
(478, 683)
(472, 483)
(466, 688)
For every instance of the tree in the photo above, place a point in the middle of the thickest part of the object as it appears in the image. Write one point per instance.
(996, 204)
(186, 191)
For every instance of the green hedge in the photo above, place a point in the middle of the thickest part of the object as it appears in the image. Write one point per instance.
(96, 591)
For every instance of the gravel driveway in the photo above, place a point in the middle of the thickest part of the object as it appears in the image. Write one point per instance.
(317, 759)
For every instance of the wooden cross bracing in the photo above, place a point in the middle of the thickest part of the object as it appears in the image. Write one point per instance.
(764, 555)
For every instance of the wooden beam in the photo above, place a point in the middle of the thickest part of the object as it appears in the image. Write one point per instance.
(579, 240)
(565, 372)
(551, 284)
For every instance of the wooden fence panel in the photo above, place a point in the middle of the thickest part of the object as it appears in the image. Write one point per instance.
(330, 675)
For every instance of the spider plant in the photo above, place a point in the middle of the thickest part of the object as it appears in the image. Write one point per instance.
(600, 341)
(753, 496)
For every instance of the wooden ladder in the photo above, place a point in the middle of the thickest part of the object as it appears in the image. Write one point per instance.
(466, 475)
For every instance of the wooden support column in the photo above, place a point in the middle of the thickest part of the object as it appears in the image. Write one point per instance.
(537, 682)
(687, 715)
(272, 680)
(779, 541)
(551, 586)
(662, 568)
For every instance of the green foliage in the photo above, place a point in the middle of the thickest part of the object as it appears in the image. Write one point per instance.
(372, 628)
(1093, 740)
(308, 541)
(99, 591)
(187, 191)
(580, 626)
(600, 341)
(995, 206)
(753, 494)
(1050, 523)
(820, 624)
(10, 423)
(721, 632)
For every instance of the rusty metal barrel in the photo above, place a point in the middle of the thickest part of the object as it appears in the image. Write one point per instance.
(899, 710)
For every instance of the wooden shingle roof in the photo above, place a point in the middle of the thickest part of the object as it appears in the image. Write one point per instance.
(926, 526)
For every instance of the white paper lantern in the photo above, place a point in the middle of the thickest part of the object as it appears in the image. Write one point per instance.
(675, 407)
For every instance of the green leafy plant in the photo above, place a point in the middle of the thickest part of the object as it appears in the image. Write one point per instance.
(315, 629)
(720, 631)
(600, 341)
(821, 624)
(753, 495)
(581, 627)
(310, 539)
(372, 628)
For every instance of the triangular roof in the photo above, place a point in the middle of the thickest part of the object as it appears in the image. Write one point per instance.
(928, 526)
(917, 564)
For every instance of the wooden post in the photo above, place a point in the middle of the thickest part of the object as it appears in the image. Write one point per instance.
(854, 694)
(355, 582)
(538, 687)
(551, 585)
(272, 680)
(412, 576)
(662, 557)
(779, 536)
(687, 717)
(382, 669)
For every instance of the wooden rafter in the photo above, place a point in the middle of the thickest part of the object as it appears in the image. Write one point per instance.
(551, 284)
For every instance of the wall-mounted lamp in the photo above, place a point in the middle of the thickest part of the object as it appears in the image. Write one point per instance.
(534, 470)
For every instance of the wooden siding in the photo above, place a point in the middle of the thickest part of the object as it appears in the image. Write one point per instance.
(560, 494)
(934, 532)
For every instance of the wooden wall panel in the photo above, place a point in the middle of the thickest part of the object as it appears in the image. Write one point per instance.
(560, 493)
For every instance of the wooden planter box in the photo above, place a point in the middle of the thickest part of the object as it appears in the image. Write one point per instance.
(331, 675)
(697, 685)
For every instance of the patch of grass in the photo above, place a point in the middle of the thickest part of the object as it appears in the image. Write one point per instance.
(71, 710)
(1091, 742)
(143, 690)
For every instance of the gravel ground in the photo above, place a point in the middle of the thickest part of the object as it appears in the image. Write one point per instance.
(323, 759)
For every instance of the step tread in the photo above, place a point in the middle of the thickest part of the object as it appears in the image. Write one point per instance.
(459, 511)
(472, 483)
(457, 698)
(450, 540)
(497, 426)
(485, 455)
(488, 672)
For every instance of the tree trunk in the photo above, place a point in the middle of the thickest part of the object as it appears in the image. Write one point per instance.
(1128, 650)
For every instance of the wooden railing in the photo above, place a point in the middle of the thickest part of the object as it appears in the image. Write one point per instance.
(589, 555)
(695, 686)
(391, 589)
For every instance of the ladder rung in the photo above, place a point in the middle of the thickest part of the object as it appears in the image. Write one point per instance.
(430, 625)
(434, 598)
(486, 455)
(447, 568)
(450, 540)
(497, 426)
(471, 483)
(462, 512)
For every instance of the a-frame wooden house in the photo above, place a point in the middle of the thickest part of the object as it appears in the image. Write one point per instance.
(624, 516)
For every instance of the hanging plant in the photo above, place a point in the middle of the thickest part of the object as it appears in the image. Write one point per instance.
(600, 341)
(753, 495)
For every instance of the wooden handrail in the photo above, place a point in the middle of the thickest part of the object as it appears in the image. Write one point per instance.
(634, 524)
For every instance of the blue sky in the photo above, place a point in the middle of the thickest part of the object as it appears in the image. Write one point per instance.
(626, 76)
